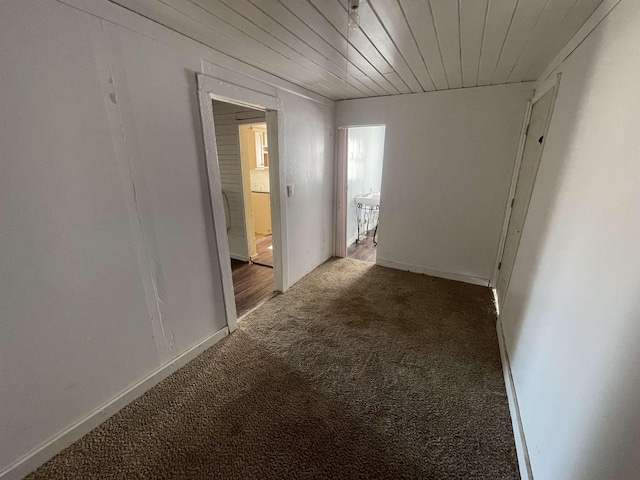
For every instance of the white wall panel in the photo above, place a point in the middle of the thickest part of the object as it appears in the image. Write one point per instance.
(167, 126)
(447, 169)
(69, 273)
(308, 153)
(571, 314)
(108, 266)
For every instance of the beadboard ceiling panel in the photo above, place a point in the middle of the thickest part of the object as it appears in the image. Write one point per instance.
(401, 46)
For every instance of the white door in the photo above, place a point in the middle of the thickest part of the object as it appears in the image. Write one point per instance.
(524, 186)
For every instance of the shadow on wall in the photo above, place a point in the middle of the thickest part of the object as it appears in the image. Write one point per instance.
(570, 316)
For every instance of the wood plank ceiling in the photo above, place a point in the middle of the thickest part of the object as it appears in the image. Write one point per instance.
(402, 46)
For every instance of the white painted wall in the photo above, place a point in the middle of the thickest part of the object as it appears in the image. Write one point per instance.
(365, 151)
(76, 326)
(108, 268)
(309, 128)
(448, 156)
(572, 314)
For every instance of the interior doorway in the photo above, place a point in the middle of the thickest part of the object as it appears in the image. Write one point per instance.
(361, 193)
(535, 138)
(254, 157)
(243, 157)
(214, 89)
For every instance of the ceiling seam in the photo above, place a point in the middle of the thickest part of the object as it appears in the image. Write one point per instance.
(332, 46)
(260, 41)
(292, 33)
(564, 19)
(262, 68)
(356, 49)
(328, 43)
(385, 59)
(484, 31)
(327, 84)
(504, 41)
(381, 55)
(526, 44)
(435, 29)
(209, 47)
(396, 47)
(404, 15)
(617, 2)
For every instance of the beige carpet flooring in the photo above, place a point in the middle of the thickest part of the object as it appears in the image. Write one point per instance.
(358, 371)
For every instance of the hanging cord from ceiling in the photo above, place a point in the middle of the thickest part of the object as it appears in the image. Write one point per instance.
(353, 23)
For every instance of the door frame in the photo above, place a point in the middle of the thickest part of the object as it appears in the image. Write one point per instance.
(210, 88)
(340, 243)
(553, 82)
(342, 178)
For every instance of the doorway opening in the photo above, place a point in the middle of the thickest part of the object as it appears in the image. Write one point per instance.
(362, 190)
(243, 156)
(254, 157)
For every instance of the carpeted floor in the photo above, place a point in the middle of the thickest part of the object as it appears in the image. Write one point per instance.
(358, 371)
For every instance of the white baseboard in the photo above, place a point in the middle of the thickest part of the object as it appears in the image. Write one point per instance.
(242, 258)
(40, 455)
(352, 239)
(518, 431)
(434, 273)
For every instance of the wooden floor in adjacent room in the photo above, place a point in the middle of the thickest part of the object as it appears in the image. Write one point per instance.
(254, 282)
(251, 283)
(364, 250)
(264, 247)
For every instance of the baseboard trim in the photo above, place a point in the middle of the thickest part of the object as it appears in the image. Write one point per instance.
(518, 432)
(434, 273)
(242, 258)
(37, 457)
